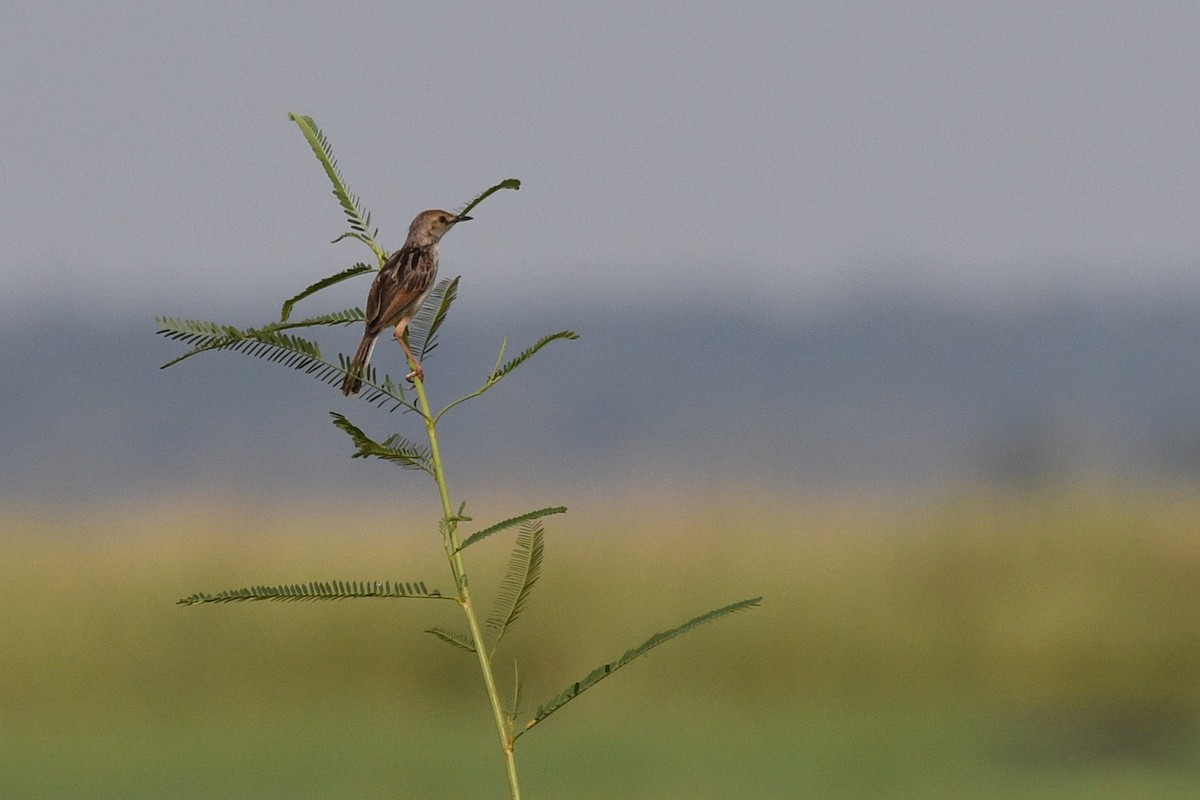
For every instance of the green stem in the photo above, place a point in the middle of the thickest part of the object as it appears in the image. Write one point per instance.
(459, 569)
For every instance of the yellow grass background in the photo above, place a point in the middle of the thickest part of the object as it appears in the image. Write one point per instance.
(978, 642)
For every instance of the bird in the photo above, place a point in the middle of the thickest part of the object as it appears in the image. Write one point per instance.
(398, 291)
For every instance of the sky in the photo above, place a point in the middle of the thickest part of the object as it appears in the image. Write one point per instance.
(778, 154)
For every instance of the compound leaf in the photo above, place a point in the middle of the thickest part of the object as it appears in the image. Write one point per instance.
(356, 215)
(507, 183)
(395, 448)
(529, 352)
(324, 283)
(524, 568)
(510, 523)
(604, 670)
(422, 331)
(458, 640)
(332, 590)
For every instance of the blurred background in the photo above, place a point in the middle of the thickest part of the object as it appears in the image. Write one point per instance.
(888, 312)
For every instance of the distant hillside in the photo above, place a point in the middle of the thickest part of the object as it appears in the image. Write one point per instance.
(879, 391)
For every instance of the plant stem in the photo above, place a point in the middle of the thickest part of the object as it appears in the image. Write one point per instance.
(459, 569)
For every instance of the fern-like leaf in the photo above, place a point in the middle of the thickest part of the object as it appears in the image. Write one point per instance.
(458, 640)
(268, 343)
(205, 336)
(508, 183)
(347, 316)
(324, 283)
(422, 331)
(510, 523)
(359, 219)
(395, 448)
(528, 353)
(200, 334)
(292, 351)
(604, 670)
(211, 336)
(524, 568)
(333, 590)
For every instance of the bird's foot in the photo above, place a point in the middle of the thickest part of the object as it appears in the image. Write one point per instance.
(415, 374)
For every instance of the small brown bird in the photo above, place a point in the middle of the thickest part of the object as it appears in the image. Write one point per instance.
(399, 290)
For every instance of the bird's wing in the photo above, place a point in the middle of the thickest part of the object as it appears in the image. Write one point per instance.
(403, 280)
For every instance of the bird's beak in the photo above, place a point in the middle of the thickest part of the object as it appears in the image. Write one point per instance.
(462, 218)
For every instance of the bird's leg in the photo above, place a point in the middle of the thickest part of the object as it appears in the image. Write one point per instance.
(417, 372)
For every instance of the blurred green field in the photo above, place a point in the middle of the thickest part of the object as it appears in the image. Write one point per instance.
(980, 644)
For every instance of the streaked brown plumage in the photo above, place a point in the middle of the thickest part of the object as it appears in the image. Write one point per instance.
(399, 290)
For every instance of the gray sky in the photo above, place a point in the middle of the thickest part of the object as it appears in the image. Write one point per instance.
(776, 152)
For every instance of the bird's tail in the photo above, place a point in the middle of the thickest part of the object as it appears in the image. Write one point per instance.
(362, 357)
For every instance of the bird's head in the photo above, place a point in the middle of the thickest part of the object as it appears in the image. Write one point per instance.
(430, 226)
